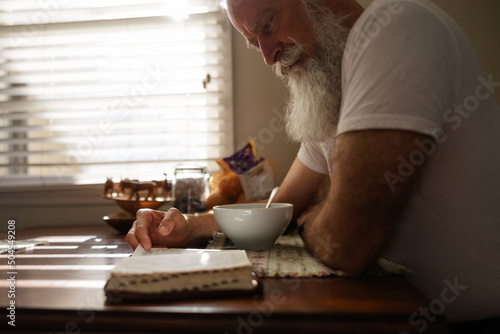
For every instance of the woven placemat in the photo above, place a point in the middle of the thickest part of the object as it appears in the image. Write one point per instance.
(289, 258)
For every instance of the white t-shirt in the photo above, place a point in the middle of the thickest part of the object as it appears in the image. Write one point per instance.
(409, 66)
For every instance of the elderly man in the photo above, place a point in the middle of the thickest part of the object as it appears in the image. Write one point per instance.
(391, 104)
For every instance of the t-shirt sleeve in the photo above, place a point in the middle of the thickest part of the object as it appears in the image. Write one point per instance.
(400, 70)
(312, 157)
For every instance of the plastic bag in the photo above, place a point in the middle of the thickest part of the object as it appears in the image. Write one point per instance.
(255, 172)
(245, 177)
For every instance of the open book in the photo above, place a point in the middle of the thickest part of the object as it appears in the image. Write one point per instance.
(171, 273)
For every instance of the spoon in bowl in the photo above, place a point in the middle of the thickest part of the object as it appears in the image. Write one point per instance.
(271, 197)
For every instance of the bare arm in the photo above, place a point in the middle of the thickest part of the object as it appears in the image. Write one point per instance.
(300, 187)
(350, 229)
(170, 228)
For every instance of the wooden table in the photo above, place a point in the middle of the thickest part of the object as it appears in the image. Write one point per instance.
(59, 289)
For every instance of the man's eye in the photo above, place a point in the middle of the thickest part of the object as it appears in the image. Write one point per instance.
(268, 25)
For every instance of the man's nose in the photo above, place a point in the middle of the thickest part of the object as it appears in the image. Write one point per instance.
(271, 50)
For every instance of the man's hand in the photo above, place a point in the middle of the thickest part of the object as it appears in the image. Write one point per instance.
(158, 228)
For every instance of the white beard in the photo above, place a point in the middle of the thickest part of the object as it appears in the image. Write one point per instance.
(316, 85)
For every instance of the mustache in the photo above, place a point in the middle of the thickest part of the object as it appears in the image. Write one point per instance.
(289, 57)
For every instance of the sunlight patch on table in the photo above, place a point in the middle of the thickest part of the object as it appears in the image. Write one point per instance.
(56, 283)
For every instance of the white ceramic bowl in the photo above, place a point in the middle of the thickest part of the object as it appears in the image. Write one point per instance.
(251, 225)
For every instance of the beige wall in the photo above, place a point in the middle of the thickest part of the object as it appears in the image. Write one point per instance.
(258, 107)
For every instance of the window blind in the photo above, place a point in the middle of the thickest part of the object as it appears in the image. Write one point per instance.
(111, 88)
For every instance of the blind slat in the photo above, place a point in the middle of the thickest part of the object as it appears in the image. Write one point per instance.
(126, 100)
(184, 61)
(159, 114)
(34, 6)
(53, 34)
(99, 89)
(78, 11)
(137, 76)
(162, 140)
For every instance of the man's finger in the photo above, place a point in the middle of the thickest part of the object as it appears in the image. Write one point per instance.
(142, 224)
(131, 238)
(171, 219)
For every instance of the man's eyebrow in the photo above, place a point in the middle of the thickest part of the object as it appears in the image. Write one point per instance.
(259, 17)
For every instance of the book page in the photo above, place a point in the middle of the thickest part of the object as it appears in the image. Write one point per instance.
(175, 260)
(140, 251)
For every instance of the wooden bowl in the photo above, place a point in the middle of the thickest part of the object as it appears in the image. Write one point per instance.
(120, 221)
(131, 206)
(123, 221)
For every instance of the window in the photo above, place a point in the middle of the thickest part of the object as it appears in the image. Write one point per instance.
(111, 88)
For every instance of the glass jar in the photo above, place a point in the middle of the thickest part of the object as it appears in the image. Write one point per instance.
(191, 188)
